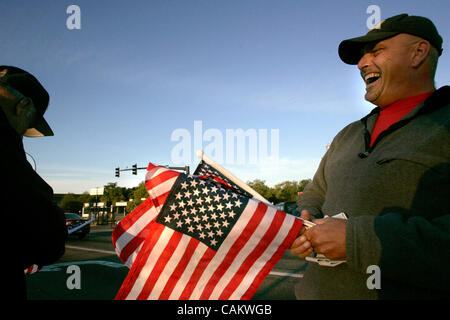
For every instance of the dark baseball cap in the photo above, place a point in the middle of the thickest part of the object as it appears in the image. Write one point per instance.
(350, 51)
(30, 87)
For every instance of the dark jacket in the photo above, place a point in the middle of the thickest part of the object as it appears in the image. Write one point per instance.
(396, 195)
(34, 227)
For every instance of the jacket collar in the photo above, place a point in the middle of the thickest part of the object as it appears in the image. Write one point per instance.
(436, 100)
(8, 135)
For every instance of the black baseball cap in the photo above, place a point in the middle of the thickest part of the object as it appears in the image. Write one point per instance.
(30, 87)
(350, 51)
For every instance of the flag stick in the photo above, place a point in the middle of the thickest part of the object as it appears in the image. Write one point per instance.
(70, 231)
(200, 154)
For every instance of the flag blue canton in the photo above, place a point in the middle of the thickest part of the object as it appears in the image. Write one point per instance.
(202, 210)
(204, 169)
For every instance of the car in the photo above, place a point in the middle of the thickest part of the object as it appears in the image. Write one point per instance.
(288, 207)
(73, 221)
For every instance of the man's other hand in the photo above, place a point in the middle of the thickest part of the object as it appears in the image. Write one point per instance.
(328, 237)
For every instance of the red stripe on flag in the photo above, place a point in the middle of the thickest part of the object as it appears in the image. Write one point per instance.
(134, 243)
(234, 250)
(199, 269)
(160, 178)
(151, 166)
(295, 229)
(179, 269)
(159, 201)
(165, 256)
(131, 218)
(265, 241)
(140, 262)
(32, 269)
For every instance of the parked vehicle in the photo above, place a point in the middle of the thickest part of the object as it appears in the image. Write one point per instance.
(288, 207)
(73, 221)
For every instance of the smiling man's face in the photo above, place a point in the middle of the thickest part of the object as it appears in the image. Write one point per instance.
(385, 68)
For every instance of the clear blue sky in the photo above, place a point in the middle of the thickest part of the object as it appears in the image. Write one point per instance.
(138, 70)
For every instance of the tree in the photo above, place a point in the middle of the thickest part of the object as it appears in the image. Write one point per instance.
(261, 187)
(303, 184)
(281, 192)
(85, 198)
(112, 194)
(71, 203)
(138, 193)
(286, 191)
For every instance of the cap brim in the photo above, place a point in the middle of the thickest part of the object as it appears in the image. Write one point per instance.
(40, 129)
(350, 51)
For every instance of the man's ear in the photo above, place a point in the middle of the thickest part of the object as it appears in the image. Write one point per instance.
(24, 107)
(420, 53)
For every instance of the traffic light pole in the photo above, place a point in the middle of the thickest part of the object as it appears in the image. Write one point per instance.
(134, 169)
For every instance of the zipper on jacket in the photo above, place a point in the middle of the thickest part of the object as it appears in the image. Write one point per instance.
(392, 128)
(367, 136)
(365, 154)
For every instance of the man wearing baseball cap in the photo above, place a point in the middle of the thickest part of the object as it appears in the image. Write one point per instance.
(34, 226)
(389, 173)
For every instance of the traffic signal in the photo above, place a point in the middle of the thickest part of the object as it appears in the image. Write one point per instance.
(134, 168)
(117, 172)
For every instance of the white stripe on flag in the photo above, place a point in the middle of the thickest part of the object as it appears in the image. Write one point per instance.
(31, 269)
(136, 228)
(225, 247)
(162, 188)
(153, 173)
(132, 257)
(150, 263)
(148, 216)
(169, 268)
(244, 252)
(261, 261)
(186, 276)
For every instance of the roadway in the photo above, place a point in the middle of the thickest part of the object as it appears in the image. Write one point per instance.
(102, 273)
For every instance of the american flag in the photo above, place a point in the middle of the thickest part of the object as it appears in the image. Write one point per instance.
(210, 173)
(129, 235)
(194, 239)
(31, 269)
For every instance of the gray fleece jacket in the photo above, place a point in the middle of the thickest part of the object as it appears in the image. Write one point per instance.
(397, 197)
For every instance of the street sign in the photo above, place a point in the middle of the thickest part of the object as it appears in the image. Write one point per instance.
(97, 191)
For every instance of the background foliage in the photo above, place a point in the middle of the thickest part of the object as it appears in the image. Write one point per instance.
(281, 192)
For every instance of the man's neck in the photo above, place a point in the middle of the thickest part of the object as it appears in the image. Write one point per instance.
(409, 96)
(414, 86)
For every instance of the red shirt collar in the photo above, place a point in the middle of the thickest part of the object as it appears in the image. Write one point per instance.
(395, 111)
(408, 103)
